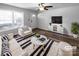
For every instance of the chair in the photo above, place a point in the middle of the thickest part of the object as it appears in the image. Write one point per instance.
(24, 30)
(65, 49)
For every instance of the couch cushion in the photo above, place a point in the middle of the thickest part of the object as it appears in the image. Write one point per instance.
(5, 46)
(15, 48)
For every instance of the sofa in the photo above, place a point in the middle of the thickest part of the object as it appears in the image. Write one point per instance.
(14, 47)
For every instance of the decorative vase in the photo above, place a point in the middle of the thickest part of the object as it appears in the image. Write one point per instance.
(37, 35)
(75, 35)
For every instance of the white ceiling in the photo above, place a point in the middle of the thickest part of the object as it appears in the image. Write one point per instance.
(34, 6)
(24, 5)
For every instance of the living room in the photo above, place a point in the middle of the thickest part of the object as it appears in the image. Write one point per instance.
(56, 21)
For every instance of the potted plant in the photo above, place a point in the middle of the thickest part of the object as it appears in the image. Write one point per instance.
(75, 29)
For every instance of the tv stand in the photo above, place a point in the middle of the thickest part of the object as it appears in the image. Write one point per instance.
(58, 28)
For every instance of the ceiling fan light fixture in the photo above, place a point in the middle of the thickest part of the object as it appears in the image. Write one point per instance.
(43, 6)
(41, 9)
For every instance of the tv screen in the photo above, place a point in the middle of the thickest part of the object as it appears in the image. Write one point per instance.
(56, 19)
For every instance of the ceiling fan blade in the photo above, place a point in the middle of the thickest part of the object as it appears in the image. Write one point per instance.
(41, 4)
(45, 8)
(48, 6)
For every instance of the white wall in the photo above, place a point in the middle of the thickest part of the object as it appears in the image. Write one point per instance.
(69, 14)
(30, 20)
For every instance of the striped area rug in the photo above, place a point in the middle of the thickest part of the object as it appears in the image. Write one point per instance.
(25, 42)
(39, 51)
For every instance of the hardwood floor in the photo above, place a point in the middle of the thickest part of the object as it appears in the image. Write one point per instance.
(57, 36)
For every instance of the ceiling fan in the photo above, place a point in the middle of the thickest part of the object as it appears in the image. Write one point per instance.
(43, 6)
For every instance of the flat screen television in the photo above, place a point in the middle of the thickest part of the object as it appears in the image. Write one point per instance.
(56, 19)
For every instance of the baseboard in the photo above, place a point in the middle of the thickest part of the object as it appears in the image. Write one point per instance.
(34, 29)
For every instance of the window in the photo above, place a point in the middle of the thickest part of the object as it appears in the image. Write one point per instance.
(18, 18)
(5, 17)
(11, 18)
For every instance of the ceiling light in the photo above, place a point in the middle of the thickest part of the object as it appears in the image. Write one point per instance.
(41, 9)
(33, 15)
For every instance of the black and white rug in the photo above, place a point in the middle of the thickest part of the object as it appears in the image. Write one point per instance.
(26, 44)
